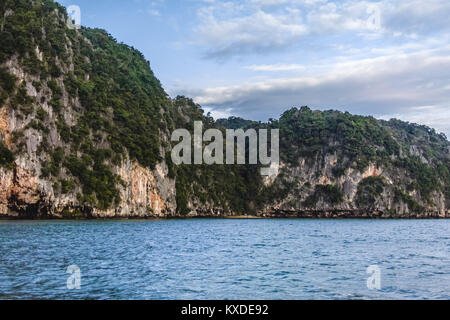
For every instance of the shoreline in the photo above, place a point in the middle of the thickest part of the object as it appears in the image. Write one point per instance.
(221, 217)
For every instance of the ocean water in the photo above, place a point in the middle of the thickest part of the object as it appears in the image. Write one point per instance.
(225, 259)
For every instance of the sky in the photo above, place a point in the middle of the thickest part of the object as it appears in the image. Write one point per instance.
(257, 58)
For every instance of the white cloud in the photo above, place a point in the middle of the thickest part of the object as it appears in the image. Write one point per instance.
(218, 114)
(279, 2)
(154, 12)
(257, 26)
(275, 67)
(228, 28)
(392, 84)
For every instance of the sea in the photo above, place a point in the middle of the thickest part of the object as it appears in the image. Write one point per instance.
(235, 259)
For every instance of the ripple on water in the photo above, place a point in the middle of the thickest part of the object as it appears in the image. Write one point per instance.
(225, 259)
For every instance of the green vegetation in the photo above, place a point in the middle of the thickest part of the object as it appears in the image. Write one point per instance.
(6, 157)
(99, 184)
(7, 85)
(231, 187)
(122, 97)
(401, 196)
(237, 123)
(328, 193)
(121, 100)
(369, 189)
(23, 101)
(41, 114)
(359, 140)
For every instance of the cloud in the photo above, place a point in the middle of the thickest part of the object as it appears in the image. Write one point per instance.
(227, 29)
(218, 114)
(387, 58)
(154, 6)
(275, 67)
(388, 85)
(154, 12)
(415, 17)
(279, 2)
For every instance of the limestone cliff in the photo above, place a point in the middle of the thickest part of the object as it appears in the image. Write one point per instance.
(303, 182)
(353, 166)
(23, 193)
(44, 107)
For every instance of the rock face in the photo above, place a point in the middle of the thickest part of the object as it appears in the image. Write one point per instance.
(304, 179)
(144, 193)
(25, 194)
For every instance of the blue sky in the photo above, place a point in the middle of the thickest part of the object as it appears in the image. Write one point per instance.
(256, 58)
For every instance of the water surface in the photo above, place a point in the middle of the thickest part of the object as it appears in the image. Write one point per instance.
(225, 259)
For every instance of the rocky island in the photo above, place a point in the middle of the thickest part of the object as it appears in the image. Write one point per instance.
(85, 132)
